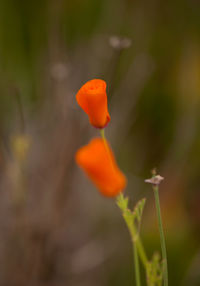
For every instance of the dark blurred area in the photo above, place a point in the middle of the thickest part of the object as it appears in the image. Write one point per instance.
(55, 228)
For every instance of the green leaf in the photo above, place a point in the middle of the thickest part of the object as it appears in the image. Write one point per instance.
(122, 202)
(138, 211)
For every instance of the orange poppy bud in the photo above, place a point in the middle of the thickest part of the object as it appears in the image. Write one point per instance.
(92, 98)
(98, 161)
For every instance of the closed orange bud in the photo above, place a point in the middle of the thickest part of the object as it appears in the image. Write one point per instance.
(98, 161)
(92, 98)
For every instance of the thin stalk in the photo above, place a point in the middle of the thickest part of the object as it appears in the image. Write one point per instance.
(102, 131)
(137, 266)
(137, 246)
(141, 252)
(162, 236)
(137, 242)
(137, 249)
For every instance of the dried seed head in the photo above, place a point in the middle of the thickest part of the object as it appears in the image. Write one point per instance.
(155, 180)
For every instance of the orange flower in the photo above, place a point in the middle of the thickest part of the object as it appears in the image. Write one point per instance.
(92, 98)
(98, 161)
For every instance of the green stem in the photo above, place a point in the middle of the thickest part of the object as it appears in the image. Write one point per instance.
(136, 241)
(141, 252)
(102, 131)
(162, 236)
(137, 266)
(137, 245)
(137, 249)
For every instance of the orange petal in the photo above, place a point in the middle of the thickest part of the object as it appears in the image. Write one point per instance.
(98, 161)
(92, 98)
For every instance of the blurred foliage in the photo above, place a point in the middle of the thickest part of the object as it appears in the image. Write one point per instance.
(64, 233)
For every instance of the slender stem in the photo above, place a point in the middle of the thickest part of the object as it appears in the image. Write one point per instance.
(137, 266)
(137, 246)
(162, 236)
(131, 228)
(141, 252)
(102, 131)
(136, 241)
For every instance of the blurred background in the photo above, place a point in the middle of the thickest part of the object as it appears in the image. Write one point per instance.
(55, 228)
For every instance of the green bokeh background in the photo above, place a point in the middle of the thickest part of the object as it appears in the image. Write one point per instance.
(62, 232)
